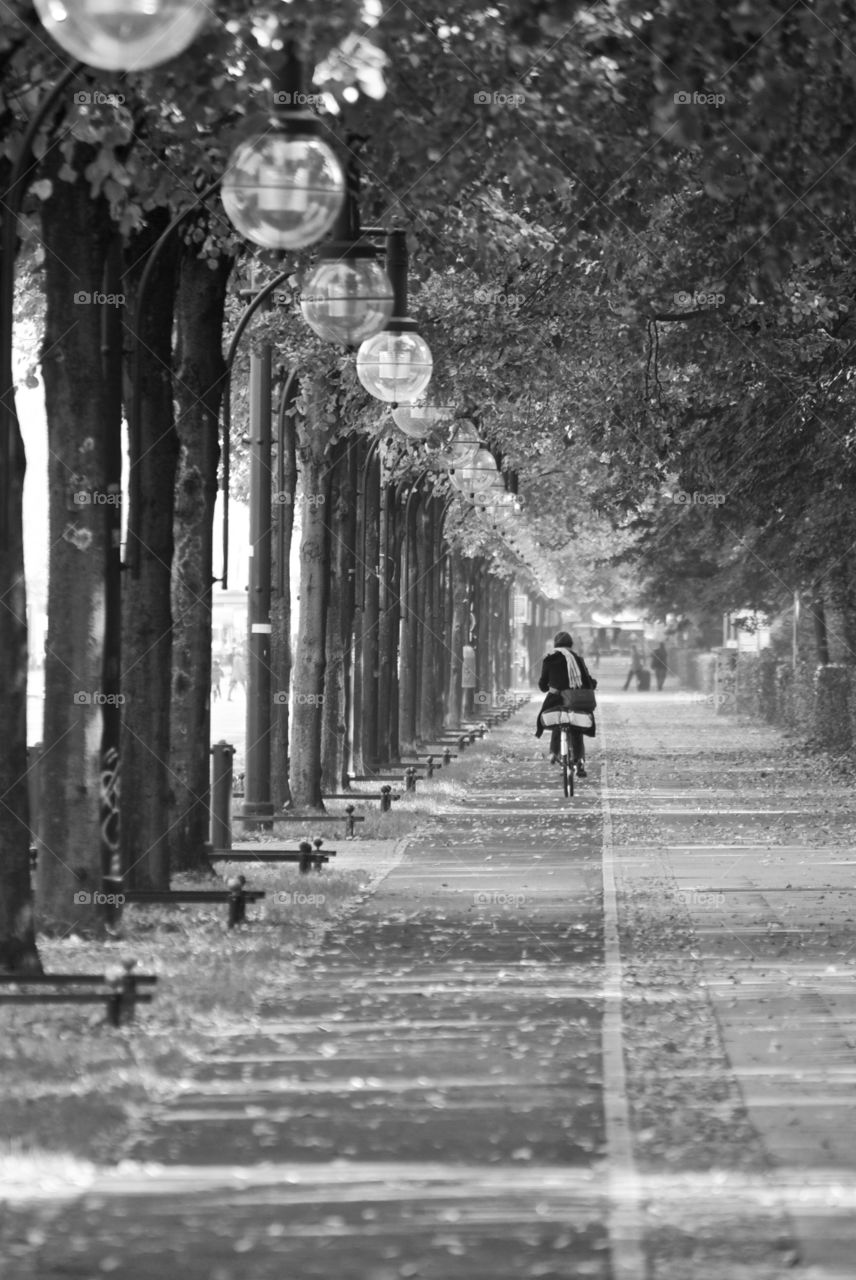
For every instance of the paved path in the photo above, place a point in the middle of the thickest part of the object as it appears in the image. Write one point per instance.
(610, 1039)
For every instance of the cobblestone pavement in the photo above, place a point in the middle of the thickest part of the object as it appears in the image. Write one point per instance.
(610, 1037)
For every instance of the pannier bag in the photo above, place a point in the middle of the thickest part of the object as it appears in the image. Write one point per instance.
(579, 699)
(561, 715)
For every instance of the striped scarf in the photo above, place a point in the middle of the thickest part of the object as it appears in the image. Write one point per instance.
(574, 675)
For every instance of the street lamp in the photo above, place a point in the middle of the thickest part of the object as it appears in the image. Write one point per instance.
(284, 186)
(347, 297)
(464, 445)
(396, 365)
(419, 420)
(478, 476)
(123, 35)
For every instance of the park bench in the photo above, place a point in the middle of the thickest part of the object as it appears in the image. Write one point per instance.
(305, 855)
(349, 818)
(428, 763)
(386, 795)
(409, 778)
(118, 989)
(446, 757)
(235, 896)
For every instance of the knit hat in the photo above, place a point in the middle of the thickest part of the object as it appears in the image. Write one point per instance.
(562, 640)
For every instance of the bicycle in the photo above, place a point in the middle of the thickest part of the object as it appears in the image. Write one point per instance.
(564, 721)
(566, 758)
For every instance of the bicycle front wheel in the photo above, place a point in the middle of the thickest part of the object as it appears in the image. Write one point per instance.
(567, 768)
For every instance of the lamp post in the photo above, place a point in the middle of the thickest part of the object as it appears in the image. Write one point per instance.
(396, 364)
(347, 297)
(284, 186)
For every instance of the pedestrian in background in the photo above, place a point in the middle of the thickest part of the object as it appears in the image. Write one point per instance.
(468, 678)
(660, 663)
(238, 674)
(636, 666)
(216, 677)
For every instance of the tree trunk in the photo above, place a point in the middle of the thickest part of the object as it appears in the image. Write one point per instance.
(348, 537)
(17, 932)
(77, 234)
(146, 609)
(310, 659)
(389, 613)
(431, 628)
(285, 491)
(200, 302)
(338, 619)
(112, 330)
(412, 597)
(367, 724)
(459, 632)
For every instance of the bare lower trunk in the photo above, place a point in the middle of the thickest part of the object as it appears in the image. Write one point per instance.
(367, 727)
(333, 715)
(412, 568)
(285, 489)
(17, 934)
(199, 367)
(146, 609)
(309, 665)
(458, 636)
(77, 234)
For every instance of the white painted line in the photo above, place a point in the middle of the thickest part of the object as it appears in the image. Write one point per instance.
(625, 1224)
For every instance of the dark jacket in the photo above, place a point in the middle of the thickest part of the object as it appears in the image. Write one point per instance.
(554, 675)
(554, 672)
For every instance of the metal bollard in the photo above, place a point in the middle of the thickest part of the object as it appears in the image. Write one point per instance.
(34, 797)
(221, 794)
(429, 767)
(447, 757)
(237, 901)
(410, 776)
(385, 802)
(305, 856)
(123, 993)
(349, 810)
(318, 843)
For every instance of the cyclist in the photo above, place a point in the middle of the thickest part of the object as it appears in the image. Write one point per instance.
(555, 677)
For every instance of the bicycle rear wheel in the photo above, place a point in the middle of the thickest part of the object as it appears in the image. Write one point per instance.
(567, 765)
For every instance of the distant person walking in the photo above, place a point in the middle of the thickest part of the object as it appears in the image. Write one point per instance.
(660, 663)
(468, 678)
(238, 674)
(636, 667)
(216, 677)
